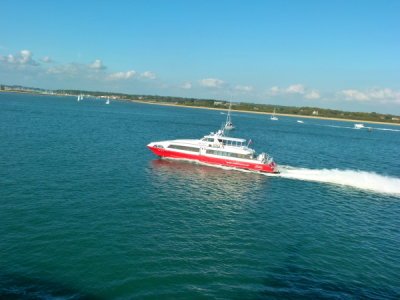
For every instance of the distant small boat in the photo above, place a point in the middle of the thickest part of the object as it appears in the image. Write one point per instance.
(358, 126)
(228, 124)
(300, 121)
(108, 100)
(273, 117)
(80, 98)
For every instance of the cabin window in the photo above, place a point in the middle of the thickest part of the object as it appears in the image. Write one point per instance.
(185, 148)
(222, 141)
(212, 152)
(229, 154)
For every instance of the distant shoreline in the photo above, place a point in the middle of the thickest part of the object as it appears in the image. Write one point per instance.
(263, 113)
(218, 109)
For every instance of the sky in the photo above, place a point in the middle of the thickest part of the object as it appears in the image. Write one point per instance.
(337, 54)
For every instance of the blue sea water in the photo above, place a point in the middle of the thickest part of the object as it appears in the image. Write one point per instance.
(88, 212)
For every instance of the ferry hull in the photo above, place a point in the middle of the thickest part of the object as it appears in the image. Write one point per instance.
(272, 168)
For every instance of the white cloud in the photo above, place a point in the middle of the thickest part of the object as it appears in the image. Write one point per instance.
(372, 94)
(71, 70)
(23, 58)
(354, 95)
(187, 85)
(91, 72)
(314, 94)
(44, 68)
(148, 75)
(97, 64)
(3, 59)
(244, 88)
(275, 90)
(47, 59)
(296, 89)
(12, 59)
(121, 75)
(212, 82)
(76, 71)
(54, 70)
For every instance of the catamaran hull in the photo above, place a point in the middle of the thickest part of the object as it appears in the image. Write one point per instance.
(272, 168)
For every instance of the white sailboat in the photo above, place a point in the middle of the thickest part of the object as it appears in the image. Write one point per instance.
(80, 98)
(228, 124)
(108, 100)
(273, 117)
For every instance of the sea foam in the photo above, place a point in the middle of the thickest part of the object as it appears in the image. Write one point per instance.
(357, 179)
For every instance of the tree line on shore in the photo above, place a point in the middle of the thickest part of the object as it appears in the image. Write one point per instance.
(211, 103)
(252, 107)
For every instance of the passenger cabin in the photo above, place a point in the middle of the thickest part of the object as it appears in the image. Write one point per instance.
(226, 141)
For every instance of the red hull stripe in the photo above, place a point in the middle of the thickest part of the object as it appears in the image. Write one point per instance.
(213, 160)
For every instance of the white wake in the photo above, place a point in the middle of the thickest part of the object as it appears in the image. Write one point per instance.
(387, 129)
(363, 180)
(357, 179)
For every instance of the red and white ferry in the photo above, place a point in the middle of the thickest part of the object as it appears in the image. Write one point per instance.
(216, 149)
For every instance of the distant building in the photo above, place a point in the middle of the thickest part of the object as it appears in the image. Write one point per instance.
(315, 113)
(218, 103)
(395, 119)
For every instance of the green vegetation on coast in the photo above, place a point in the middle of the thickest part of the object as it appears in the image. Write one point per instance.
(219, 104)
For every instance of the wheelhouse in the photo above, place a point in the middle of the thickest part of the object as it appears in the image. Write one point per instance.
(224, 140)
